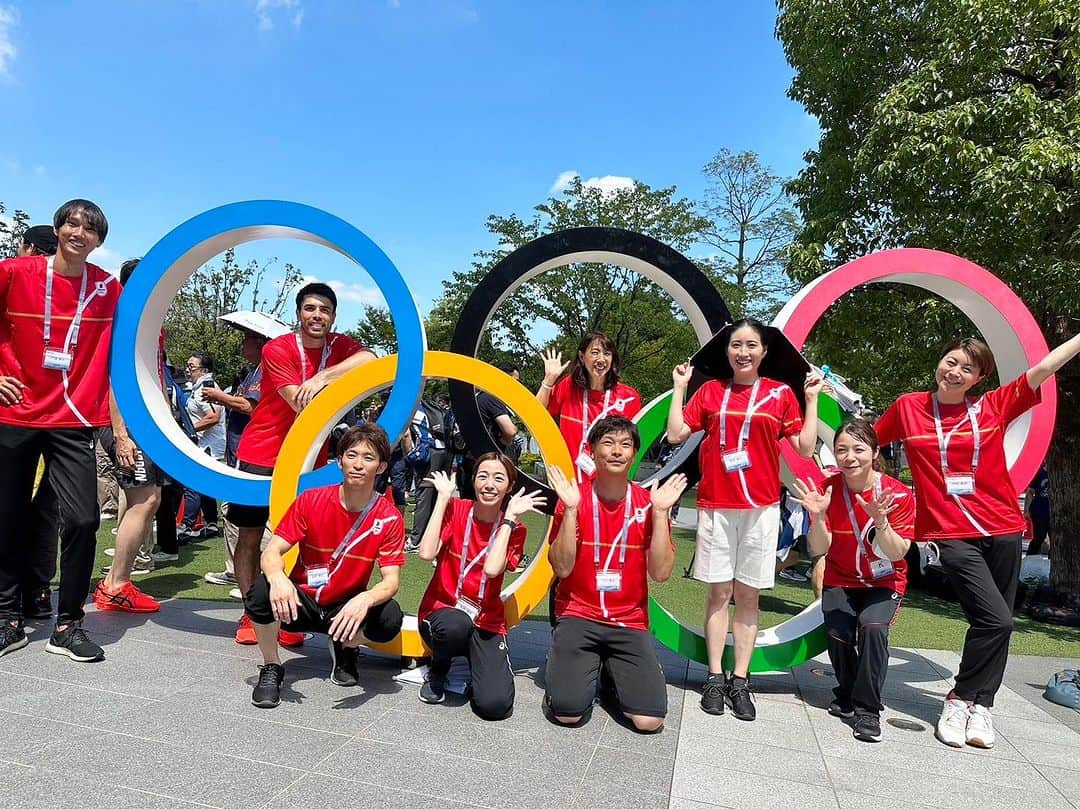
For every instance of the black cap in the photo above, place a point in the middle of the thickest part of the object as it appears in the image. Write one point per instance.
(42, 238)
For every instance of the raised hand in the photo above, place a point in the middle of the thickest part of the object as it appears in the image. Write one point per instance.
(813, 384)
(880, 506)
(553, 365)
(666, 496)
(567, 490)
(680, 374)
(522, 503)
(443, 483)
(808, 496)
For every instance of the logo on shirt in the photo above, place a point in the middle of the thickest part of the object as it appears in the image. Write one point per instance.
(378, 523)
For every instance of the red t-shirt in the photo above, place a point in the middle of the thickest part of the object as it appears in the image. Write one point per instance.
(578, 595)
(994, 505)
(272, 416)
(565, 405)
(318, 522)
(775, 416)
(442, 591)
(53, 398)
(849, 561)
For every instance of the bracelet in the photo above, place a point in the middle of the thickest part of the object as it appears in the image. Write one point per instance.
(884, 527)
(546, 385)
(511, 524)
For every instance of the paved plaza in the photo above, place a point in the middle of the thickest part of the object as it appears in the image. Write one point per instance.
(165, 721)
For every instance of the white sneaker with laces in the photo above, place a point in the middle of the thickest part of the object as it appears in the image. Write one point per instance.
(952, 726)
(980, 727)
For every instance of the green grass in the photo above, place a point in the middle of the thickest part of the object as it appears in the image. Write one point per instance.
(925, 621)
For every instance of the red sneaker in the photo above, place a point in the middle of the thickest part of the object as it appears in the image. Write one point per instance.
(290, 639)
(245, 632)
(128, 598)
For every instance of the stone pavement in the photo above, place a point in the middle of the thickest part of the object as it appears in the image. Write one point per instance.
(165, 722)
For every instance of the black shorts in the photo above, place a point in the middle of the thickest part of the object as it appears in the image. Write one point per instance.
(250, 516)
(579, 647)
(145, 472)
(381, 625)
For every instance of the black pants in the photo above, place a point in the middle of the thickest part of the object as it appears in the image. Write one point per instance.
(1040, 528)
(165, 518)
(857, 622)
(984, 572)
(451, 633)
(381, 625)
(425, 492)
(40, 562)
(69, 455)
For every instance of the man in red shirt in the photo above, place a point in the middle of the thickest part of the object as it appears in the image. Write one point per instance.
(58, 312)
(609, 537)
(341, 532)
(295, 368)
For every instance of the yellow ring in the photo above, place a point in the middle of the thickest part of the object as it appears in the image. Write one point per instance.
(309, 431)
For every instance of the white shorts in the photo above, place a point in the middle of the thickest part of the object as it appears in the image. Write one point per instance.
(737, 544)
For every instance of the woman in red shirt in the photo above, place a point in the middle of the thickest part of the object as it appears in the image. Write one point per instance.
(863, 521)
(461, 613)
(590, 392)
(967, 504)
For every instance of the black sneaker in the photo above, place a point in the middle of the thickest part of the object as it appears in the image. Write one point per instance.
(740, 699)
(74, 643)
(38, 605)
(867, 728)
(343, 665)
(412, 544)
(12, 637)
(267, 692)
(841, 709)
(712, 694)
(433, 691)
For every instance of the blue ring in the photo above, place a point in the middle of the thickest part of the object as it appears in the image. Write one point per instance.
(161, 273)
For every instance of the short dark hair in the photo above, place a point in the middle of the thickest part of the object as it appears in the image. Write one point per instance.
(368, 433)
(42, 238)
(316, 288)
(508, 465)
(614, 424)
(976, 349)
(127, 268)
(861, 430)
(580, 376)
(94, 216)
(206, 361)
(508, 368)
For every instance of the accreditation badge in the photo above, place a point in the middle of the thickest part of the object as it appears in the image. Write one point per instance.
(608, 581)
(737, 460)
(56, 360)
(960, 484)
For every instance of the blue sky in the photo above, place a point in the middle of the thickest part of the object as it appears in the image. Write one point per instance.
(412, 119)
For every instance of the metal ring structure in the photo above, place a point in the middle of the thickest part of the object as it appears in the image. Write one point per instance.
(154, 284)
(314, 423)
(666, 267)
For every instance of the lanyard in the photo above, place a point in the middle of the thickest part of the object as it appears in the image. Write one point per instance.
(744, 431)
(350, 536)
(465, 568)
(860, 552)
(73, 331)
(303, 358)
(943, 440)
(607, 408)
(620, 538)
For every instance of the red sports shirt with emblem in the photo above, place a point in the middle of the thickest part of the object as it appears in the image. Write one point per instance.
(272, 416)
(776, 415)
(993, 506)
(442, 591)
(318, 523)
(52, 398)
(848, 563)
(578, 596)
(565, 405)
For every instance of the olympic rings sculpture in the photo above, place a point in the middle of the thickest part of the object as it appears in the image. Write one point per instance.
(998, 313)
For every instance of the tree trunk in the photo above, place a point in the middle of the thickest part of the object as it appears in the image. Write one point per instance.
(1064, 467)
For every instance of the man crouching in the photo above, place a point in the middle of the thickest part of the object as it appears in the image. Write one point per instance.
(340, 531)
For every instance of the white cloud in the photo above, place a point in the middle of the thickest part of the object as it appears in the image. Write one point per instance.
(608, 184)
(350, 292)
(9, 18)
(562, 182)
(264, 12)
(107, 259)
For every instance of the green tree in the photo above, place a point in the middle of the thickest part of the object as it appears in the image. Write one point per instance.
(11, 231)
(952, 124)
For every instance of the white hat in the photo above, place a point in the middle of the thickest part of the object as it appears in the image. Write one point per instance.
(258, 322)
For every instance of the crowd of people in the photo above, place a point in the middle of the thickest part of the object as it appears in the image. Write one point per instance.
(609, 536)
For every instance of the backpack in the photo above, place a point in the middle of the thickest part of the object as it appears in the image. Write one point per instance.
(423, 443)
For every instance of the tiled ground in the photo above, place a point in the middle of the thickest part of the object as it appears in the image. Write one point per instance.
(165, 721)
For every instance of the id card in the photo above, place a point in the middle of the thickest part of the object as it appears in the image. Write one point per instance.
(586, 463)
(56, 360)
(318, 576)
(468, 606)
(737, 460)
(880, 568)
(960, 484)
(608, 581)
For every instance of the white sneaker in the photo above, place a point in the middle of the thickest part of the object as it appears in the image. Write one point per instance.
(953, 724)
(235, 593)
(161, 556)
(980, 727)
(110, 551)
(224, 577)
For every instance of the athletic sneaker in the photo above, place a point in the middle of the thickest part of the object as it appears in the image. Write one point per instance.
(343, 665)
(137, 569)
(980, 727)
(245, 632)
(290, 639)
(12, 637)
(952, 726)
(235, 593)
(186, 535)
(39, 604)
(224, 578)
(433, 691)
(523, 563)
(128, 598)
(740, 699)
(791, 574)
(412, 545)
(161, 556)
(210, 530)
(712, 694)
(74, 643)
(841, 709)
(110, 551)
(867, 728)
(267, 691)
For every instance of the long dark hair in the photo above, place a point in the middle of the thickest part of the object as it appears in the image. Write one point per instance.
(579, 375)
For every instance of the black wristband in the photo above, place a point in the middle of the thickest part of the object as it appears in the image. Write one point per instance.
(508, 522)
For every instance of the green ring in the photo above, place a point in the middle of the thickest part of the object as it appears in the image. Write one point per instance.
(789, 643)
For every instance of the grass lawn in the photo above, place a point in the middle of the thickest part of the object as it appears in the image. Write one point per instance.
(925, 621)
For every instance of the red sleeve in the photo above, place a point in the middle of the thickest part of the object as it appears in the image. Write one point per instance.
(634, 407)
(392, 547)
(5, 283)
(294, 525)
(694, 414)
(516, 547)
(1014, 399)
(557, 399)
(791, 420)
(446, 532)
(902, 518)
(888, 427)
(556, 522)
(280, 366)
(344, 347)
